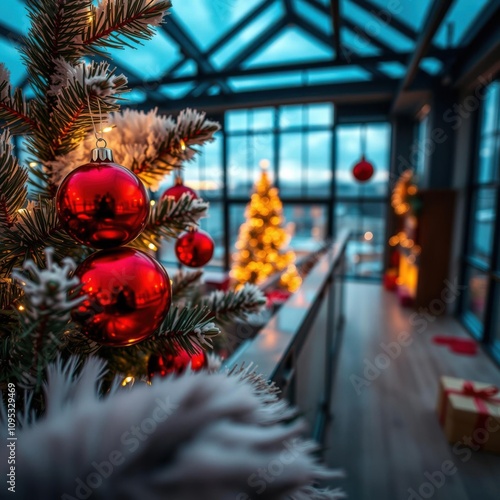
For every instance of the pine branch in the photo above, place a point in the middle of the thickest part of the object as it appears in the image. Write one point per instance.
(70, 119)
(49, 296)
(192, 129)
(228, 306)
(169, 218)
(189, 328)
(115, 23)
(36, 227)
(55, 34)
(13, 179)
(183, 283)
(147, 143)
(14, 111)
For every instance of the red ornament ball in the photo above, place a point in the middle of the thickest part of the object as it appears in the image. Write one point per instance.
(194, 248)
(175, 362)
(177, 190)
(102, 204)
(363, 170)
(129, 294)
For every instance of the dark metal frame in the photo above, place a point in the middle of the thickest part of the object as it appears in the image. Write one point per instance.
(483, 332)
(482, 40)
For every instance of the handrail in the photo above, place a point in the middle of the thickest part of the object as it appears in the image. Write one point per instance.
(272, 347)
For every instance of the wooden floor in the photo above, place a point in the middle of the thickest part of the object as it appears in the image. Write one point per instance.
(388, 437)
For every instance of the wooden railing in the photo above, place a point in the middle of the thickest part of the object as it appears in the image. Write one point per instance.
(297, 348)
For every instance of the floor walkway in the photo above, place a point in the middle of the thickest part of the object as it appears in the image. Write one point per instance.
(385, 433)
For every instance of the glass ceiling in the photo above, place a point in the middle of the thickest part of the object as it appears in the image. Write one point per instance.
(237, 38)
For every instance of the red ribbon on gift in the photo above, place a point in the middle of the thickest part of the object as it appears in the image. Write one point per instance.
(480, 397)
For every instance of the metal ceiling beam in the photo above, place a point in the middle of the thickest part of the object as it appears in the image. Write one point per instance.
(376, 42)
(322, 37)
(259, 43)
(190, 49)
(372, 61)
(481, 56)
(386, 16)
(238, 28)
(431, 24)
(11, 35)
(351, 92)
(335, 12)
(353, 27)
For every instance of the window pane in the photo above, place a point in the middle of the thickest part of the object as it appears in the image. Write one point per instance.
(321, 114)
(365, 250)
(306, 225)
(214, 226)
(204, 174)
(488, 158)
(490, 108)
(262, 119)
(319, 163)
(483, 222)
(349, 151)
(496, 320)
(236, 219)
(292, 117)
(236, 120)
(476, 294)
(291, 161)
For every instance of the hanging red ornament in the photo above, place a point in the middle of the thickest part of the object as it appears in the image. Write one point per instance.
(194, 248)
(178, 189)
(363, 170)
(175, 362)
(102, 204)
(128, 292)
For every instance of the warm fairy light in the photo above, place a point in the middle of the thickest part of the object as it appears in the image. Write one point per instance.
(33, 164)
(394, 240)
(183, 145)
(21, 308)
(412, 190)
(128, 381)
(152, 246)
(152, 203)
(264, 164)
(368, 236)
(107, 129)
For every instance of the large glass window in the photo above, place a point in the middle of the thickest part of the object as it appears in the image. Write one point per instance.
(482, 260)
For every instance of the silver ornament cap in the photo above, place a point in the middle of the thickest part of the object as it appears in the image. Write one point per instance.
(101, 154)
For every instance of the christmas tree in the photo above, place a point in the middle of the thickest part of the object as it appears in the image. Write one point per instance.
(77, 322)
(262, 240)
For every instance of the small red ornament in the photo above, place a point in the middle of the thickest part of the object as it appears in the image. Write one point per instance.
(128, 292)
(178, 189)
(102, 204)
(363, 170)
(175, 362)
(194, 248)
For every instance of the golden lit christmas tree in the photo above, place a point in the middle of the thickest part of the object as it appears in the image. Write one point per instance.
(262, 240)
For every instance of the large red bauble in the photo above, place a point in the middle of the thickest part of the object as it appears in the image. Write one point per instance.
(194, 248)
(177, 190)
(102, 205)
(175, 362)
(128, 292)
(363, 170)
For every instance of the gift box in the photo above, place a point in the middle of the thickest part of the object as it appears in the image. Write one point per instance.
(470, 413)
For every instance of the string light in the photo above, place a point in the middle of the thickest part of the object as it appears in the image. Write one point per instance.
(128, 381)
(152, 246)
(152, 203)
(21, 308)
